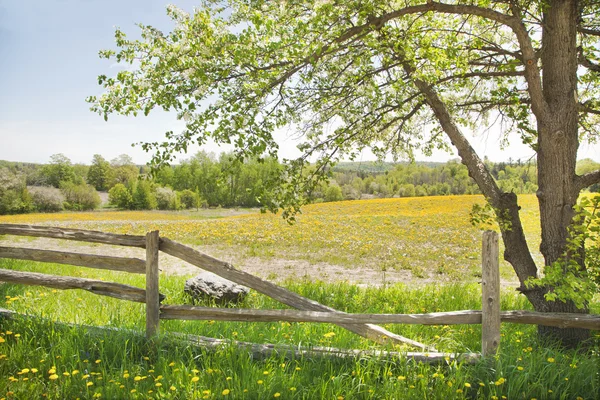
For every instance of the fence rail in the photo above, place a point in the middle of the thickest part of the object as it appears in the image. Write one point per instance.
(308, 310)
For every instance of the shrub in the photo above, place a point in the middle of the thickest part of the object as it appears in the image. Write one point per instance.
(46, 199)
(120, 196)
(167, 199)
(81, 197)
(334, 193)
(189, 199)
(14, 198)
(143, 197)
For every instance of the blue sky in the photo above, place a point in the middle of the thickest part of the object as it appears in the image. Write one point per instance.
(49, 64)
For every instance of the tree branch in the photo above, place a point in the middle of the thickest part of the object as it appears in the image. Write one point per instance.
(587, 31)
(587, 180)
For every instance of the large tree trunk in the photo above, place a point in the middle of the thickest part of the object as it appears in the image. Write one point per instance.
(557, 150)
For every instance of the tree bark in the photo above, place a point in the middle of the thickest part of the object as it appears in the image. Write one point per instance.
(558, 142)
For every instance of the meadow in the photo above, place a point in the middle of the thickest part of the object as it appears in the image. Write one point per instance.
(426, 236)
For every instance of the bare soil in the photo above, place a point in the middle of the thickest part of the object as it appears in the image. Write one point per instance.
(272, 269)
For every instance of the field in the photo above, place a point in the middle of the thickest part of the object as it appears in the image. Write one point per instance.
(427, 243)
(428, 239)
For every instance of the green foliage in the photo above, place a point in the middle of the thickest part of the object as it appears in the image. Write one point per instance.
(576, 276)
(189, 199)
(80, 197)
(120, 196)
(58, 170)
(334, 193)
(100, 173)
(167, 199)
(14, 197)
(143, 196)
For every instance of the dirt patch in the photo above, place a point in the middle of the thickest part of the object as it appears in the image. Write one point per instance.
(271, 269)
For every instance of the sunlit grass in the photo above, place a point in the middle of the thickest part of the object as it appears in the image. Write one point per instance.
(429, 236)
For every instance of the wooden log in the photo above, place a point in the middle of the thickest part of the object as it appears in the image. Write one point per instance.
(133, 265)
(152, 294)
(490, 289)
(227, 271)
(560, 320)
(73, 234)
(466, 317)
(186, 312)
(261, 351)
(111, 289)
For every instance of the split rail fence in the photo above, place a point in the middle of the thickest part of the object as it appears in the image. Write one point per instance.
(307, 310)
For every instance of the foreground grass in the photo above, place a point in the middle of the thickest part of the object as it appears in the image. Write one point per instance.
(45, 360)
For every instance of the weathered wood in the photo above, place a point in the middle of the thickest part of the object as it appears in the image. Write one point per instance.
(133, 265)
(560, 320)
(185, 312)
(490, 290)
(73, 234)
(227, 271)
(261, 351)
(152, 294)
(466, 317)
(111, 289)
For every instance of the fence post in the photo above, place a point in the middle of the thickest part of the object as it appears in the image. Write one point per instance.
(490, 290)
(152, 295)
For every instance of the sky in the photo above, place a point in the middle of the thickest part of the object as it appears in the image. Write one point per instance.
(49, 64)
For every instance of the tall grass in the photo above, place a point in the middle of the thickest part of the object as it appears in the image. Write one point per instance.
(42, 359)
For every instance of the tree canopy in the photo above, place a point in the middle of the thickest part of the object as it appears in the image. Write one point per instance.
(394, 76)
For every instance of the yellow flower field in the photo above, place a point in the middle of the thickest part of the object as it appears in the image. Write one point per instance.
(427, 235)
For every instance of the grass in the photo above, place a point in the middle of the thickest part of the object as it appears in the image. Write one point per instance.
(42, 359)
(70, 363)
(430, 236)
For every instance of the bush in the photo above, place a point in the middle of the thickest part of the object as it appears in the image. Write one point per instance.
(189, 199)
(81, 197)
(14, 198)
(120, 196)
(46, 199)
(167, 199)
(143, 197)
(334, 193)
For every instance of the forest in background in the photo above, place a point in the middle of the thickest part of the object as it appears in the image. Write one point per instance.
(209, 180)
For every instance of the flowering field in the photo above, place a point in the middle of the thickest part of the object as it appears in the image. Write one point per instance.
(430, 236)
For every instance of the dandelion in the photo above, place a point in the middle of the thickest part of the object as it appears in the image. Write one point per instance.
(173, 388)
(195, 379)
(89, 384)
(98, 361)
(550, 359)
(329, 335)
(2, 339)
(277, 395)
(467, 385)
(85, 376)
(132, 391)
(298, 368)
(24, 371)
(53, 377)
(225, 392)
(125, 375)
(34, 370)
(401, 378)
(17, 335)
(52, 370)
(228, 378)
(158, 384)
(293, 389)
(266, 373)
(66, 373)
(75, 372)
(172, 364)
(259, 382)
(500, 381)
(520, 368)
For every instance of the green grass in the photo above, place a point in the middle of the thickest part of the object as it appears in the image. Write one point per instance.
(123, 364)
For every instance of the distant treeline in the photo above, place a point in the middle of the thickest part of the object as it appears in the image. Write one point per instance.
(207, 180)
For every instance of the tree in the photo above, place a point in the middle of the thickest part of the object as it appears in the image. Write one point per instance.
(379, 74)
(124, 170)
(100, 173)
(58, 170)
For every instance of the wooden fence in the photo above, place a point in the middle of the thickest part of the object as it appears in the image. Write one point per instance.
(307, 310)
